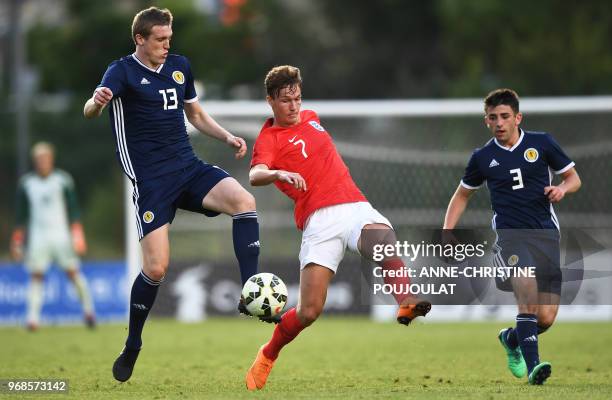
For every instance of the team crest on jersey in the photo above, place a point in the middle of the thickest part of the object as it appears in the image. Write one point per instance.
(148, 217)
(531, 154)
(178, 77)
(513, 260)
(316, 125)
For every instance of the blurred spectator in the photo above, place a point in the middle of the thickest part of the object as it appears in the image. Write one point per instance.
(48, 216)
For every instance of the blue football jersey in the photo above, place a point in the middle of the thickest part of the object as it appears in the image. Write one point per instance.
(516, 178)
(146, 115)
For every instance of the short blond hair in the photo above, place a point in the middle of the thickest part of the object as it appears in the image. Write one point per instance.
(41, 148)
(146, 19)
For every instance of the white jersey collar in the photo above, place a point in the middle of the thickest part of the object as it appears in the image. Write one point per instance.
(518, 142)
(149, 68)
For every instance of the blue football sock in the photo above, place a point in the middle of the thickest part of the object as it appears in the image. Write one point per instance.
(142, 298)
(511, 339)
(527, 334)
(245, 231)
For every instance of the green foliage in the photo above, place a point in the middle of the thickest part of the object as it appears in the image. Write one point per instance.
(8, 181)
(548, 47)
(335, 358)
(350, 49)
(380, 49)
(73, 56)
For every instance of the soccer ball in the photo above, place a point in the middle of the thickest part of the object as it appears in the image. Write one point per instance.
(264, 294)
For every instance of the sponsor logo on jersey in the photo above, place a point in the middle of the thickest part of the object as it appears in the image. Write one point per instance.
(148, 217)
(144, 81)
(531, 154)
(316, 125)
(178, 77)
(493, 163)
(513, 260)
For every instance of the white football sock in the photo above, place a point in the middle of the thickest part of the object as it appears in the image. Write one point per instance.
(83, 290)
(35, 300)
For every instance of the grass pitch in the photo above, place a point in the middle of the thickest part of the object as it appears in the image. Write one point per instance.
(335, 358)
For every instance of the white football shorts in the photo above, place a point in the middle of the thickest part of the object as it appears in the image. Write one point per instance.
(330, 230)
(41, 253)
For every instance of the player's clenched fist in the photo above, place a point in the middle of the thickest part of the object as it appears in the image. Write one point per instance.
(239, 144)
(292, 178)
(102, 96)
(554, 193)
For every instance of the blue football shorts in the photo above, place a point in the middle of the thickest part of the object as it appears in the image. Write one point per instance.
(157, 199)
(530, 248)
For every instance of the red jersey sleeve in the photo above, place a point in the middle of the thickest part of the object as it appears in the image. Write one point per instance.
(310, 114)
(264, 149)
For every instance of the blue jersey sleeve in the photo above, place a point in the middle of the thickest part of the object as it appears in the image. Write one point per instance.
(472, 178)
(114, 78)
(556, 158)
(190, 92)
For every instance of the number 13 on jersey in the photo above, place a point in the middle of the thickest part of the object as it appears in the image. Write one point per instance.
(171, 97)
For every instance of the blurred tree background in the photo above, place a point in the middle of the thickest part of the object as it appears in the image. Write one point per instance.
(347, 49)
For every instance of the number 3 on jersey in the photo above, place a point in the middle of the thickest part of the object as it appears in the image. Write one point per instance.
(517, 177)
(170, 97)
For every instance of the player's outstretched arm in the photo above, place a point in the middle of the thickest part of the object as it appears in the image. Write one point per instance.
(261, 175)
(208, 126)
(94, 106)
(457, 206)
(571, 183)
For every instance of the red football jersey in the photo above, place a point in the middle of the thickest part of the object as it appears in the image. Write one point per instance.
(306, 148)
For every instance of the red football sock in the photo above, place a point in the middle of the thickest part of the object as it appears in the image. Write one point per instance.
(400, 284)
(289, 327)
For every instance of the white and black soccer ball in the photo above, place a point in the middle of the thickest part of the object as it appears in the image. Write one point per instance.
(264, 294)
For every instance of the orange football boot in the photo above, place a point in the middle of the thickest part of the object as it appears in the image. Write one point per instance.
(258, 373)
(408, 312)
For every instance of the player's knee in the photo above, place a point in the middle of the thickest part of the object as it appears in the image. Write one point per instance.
(156, 274)
(309, 314)
(243, 201)
(155, 270)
